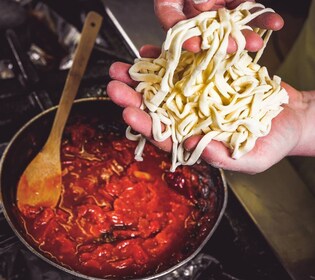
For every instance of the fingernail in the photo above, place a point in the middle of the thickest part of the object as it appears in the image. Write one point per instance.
(199, 1)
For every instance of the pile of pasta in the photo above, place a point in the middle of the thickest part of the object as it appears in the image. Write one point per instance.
(224, 97)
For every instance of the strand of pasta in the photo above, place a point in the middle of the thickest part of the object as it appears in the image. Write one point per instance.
(223, 97)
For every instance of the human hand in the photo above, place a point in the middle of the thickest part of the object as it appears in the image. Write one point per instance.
(169, 12)
(292, 131)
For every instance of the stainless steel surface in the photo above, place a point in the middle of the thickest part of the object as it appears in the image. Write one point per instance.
(283, 208)
(278, 201)
(138, 21)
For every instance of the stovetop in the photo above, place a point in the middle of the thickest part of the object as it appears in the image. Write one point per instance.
(237, 250)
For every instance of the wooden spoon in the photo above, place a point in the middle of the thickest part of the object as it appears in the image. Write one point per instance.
(41, 182)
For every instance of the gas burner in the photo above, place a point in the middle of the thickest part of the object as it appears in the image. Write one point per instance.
(37, 52)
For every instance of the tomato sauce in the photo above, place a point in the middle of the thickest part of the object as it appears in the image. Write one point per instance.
(119, 218)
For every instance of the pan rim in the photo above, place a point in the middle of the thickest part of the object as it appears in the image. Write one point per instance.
(78, 274)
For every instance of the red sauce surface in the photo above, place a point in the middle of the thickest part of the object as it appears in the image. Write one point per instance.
(118, 217)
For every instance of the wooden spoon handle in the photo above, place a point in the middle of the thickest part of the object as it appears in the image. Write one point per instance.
(89, 33)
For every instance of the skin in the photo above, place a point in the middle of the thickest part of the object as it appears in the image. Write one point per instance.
(169, 12)
(292, 131)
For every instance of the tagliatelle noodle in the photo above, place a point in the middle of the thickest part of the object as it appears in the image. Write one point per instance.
(224, 97)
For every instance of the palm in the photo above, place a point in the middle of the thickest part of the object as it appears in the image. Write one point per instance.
(282, 139)
(268, 150)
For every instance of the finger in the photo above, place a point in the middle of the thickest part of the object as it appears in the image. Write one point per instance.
(150, 51)
(219, 156)
(215, 152)
(270, 21)
(253, 41)
(119, 71)
(193, 44)
(123, 95)
(141, 122)
(296, 99)
(169, 12)
(267, 151)
(232, 46)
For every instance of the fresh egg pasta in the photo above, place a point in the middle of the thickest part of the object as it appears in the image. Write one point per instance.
(224, 97)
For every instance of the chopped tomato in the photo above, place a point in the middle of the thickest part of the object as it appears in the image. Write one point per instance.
(119, 218)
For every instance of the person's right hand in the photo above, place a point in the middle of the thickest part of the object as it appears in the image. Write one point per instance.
(169, 12)
(292, 131)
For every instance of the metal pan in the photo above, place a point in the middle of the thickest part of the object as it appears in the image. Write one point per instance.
(28, 141)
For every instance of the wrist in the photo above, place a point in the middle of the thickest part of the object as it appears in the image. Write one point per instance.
(306, 115)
